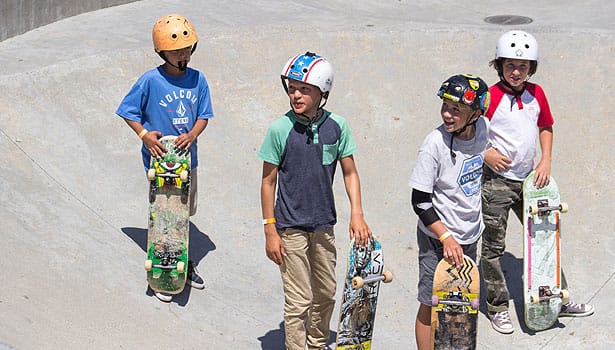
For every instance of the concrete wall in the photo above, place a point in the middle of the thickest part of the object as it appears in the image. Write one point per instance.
(20, 16)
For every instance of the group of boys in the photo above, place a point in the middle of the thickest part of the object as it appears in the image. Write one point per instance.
(487, 137)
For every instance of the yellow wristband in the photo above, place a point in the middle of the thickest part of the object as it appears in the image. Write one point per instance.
(444, 236)
(142, 133)
(269, 221)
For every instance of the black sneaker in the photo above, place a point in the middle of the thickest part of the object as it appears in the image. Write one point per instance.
(194, 280)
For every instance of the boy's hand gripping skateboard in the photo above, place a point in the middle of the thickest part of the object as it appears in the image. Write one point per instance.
(169, 219)
(543, 296)
(360, 296)
(455, 303)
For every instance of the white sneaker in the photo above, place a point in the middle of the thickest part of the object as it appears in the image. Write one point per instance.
(163, 297)
(500, 321)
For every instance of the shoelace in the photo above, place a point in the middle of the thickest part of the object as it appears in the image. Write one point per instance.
(572, 305)
(502, 316)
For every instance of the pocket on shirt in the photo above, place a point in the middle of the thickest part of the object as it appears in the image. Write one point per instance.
(329, 153)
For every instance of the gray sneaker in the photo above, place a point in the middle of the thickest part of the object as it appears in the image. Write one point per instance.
(571, 309)
(500, 321)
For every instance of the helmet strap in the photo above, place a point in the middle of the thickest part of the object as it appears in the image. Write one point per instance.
(460, 131)
(181, 65)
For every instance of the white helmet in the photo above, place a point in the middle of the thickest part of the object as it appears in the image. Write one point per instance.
(309, 68)
(517, 44)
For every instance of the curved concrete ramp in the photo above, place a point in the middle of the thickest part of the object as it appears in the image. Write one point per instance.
(74, 199)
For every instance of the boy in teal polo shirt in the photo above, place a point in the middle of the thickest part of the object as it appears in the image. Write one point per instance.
(300, 154)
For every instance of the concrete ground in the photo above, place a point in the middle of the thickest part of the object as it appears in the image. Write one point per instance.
(74, 200)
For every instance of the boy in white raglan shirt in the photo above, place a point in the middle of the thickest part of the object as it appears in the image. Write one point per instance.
(519, 114)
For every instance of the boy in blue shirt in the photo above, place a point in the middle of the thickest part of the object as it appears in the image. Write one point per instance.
(171, 99)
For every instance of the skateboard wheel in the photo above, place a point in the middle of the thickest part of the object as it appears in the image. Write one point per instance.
(183, 176)
(533, 209)
(565, 296)
(151, 174)
(435, 300)
(180, 267)
(388, 276)
(475, 304)
(148, 265)
(357, 283)
(563, 207)
(534, 299)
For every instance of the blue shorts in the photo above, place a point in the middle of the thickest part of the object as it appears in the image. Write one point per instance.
(430, 254)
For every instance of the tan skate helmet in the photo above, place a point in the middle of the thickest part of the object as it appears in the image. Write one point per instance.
(173, 32)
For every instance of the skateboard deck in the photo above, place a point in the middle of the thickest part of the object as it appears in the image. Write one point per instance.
(543, 295)
(455, 302)
(169, 219)
(360, 296)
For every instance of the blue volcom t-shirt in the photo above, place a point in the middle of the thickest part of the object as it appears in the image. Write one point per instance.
(168, 104)
(306, 158)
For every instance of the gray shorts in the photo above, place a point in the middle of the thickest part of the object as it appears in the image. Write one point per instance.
(430, 254)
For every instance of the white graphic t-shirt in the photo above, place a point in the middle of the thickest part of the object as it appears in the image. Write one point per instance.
(454, 182)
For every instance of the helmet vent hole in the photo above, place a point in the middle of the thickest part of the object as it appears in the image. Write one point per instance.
(513, 45)
(185, 33)
(305, 70)
(174, 36)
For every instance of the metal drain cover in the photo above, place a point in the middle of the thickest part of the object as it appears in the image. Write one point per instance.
(508, 20)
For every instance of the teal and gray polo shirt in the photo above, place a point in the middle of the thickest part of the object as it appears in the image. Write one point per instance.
(306, 158)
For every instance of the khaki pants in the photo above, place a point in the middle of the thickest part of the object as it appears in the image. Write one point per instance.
(308, 275)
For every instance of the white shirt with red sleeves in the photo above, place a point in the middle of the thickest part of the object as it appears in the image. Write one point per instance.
(515, 122)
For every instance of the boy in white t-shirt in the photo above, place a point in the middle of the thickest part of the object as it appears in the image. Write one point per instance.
(519, 114)
(445, 186)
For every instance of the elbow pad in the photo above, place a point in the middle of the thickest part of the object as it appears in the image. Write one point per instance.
(421, 203)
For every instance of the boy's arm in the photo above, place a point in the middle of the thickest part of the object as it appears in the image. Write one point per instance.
(150, 138)
(358, 227)
(423, 207)
(184, 141)
(543, 169)
(274, 246)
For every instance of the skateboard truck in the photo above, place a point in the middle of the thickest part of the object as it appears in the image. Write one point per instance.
(545, 294)
(358, 282)
(543, 207)
(455, 300)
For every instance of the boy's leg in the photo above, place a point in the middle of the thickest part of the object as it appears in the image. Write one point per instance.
(295, 271)
(498, 197)
(422, 327)
(322, 255)
(572, 309)
(430, 253)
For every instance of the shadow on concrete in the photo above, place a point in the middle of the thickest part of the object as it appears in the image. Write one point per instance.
(274, 339)
(513, 272)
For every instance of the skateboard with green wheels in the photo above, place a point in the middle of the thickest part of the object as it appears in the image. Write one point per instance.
(542, 282)
(169, 219)
(360, 296)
